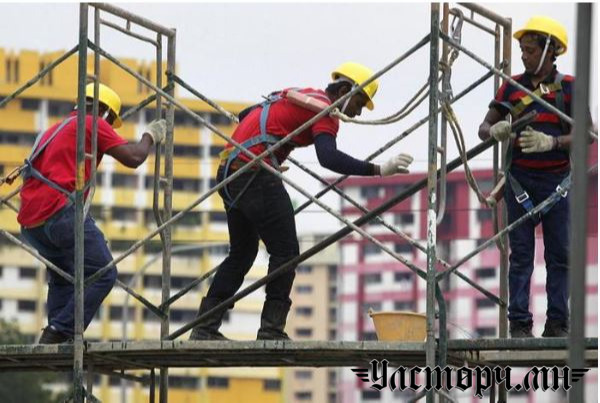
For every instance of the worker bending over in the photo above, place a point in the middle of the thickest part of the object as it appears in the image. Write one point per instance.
(256, 202)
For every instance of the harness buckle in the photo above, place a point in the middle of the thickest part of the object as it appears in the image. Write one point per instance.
(562, 192)
(544, 89)
(522, 197)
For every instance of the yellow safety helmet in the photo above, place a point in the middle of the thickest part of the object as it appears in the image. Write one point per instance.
(358, 74)
(548, 26)
(108, 97)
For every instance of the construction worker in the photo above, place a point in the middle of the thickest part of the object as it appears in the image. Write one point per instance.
(47, 206)
(537, 164)
(257, 204)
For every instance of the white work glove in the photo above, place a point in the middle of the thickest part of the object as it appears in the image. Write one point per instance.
(157, 129)
(533, 141)
(396, 165)
(500, 131)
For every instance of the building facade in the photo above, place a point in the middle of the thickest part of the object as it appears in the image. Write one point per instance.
(371, 279)
(122, 207)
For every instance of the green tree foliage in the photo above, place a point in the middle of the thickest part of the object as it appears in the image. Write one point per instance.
(22, 387)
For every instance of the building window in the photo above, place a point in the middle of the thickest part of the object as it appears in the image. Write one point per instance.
(485, 272)
(124, 214)
(120, 245)
(403, 277)
(304, 396)
(369, 336)
(483, 303)
(332, 314)
(369, 394)
(149, 316)
(375, 306)
(404, 306)
(153, 281)
(332, 272)
(116, 313)
(370, 192)
(304, 332)
(404, 218)
(304, 311)
(303, 374)
(125, 181)
(27, 273)
(370, 249)
(271, 384)
(187, 185)
(30, 104)
(24, 305)
(189, 219)
(217, 216)
(218, 119)
(214, 151)
(332, 334)
(59, 108)
(1, 300)
(304, 269)
(304, 289)
(183, 382)
(182, 315)
(403, 248)
(372, 278)
(217, 382)
(480, 242)
(484, 215)
(485, 332)
(187, 151)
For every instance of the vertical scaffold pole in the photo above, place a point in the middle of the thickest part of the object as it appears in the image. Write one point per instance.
(168, 207)
(503, 311)
(430, 346)
(578, 231)
(78, 395)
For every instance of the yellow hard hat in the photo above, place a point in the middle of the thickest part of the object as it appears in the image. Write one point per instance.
(358, 74)
(108, 97)
(546, 25)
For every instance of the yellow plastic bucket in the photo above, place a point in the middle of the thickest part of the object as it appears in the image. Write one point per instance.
(399, 326)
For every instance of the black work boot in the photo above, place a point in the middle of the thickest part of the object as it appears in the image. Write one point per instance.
(556, 328)
(520, 329)
(53, 336)
(272, 321)
(208, 329)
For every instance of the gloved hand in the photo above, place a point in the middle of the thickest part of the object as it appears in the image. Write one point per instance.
(396, 165)
(157, 129)
(533, 141)
(500, 131)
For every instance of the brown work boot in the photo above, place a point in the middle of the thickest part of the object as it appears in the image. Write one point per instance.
(556, 328)
(272, 321)
(208, 329)
(53, 336)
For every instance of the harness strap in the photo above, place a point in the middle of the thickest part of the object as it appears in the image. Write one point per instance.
(525, 201)
(543, 89)
(30, 171)
(562, 189)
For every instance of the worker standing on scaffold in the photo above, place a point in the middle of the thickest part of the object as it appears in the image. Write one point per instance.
(537, 164)
(257, 204)
(47, 210)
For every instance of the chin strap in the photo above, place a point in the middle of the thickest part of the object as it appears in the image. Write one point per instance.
(354, 85)
(539, 67)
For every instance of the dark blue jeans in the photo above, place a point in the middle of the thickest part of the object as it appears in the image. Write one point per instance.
(264, 211)
(555, 226)
(55, 241)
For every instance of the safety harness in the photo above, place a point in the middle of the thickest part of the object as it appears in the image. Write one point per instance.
(562, 189)
(230, 154)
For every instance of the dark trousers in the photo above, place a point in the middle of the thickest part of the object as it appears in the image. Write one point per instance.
(264, 211)
(55, 241)
(555, 226)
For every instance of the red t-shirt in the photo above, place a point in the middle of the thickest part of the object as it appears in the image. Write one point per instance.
(285, 117)
(57, 163)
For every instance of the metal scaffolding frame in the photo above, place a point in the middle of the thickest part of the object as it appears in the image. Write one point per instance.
(99, 357)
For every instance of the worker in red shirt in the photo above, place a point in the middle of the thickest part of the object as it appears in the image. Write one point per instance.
(256, 202)
(47, 206)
